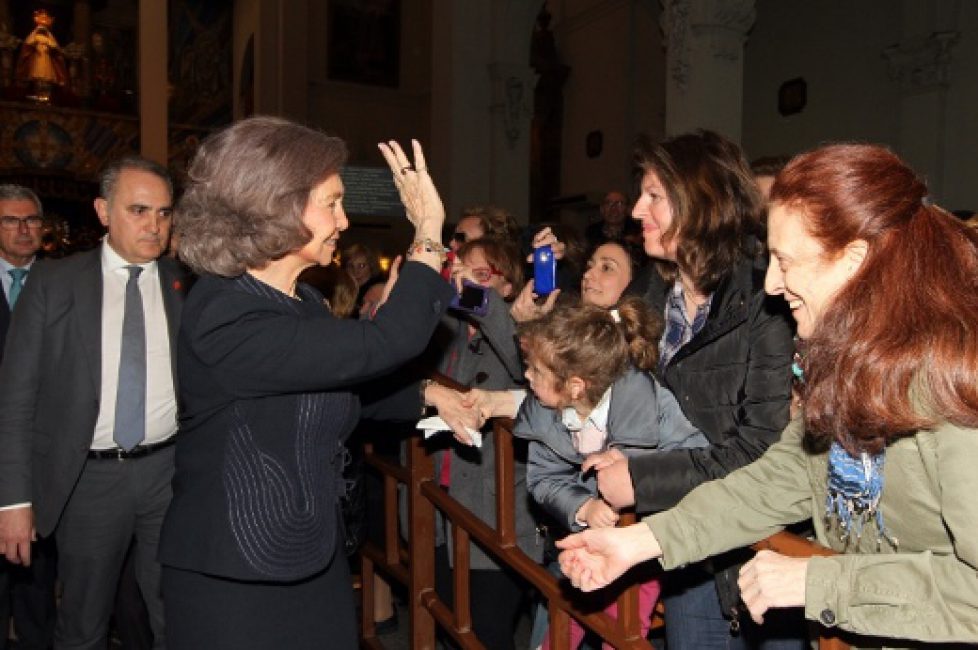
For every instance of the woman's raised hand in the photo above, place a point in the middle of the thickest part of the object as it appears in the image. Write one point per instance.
(525, 306)
(546, 237)
(418, 192)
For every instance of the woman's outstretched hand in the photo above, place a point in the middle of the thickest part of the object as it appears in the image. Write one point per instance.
(456, 409)
(597, 557)
(418, 192)
(772, 580)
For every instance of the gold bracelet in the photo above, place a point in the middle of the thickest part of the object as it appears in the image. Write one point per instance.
(428, 245)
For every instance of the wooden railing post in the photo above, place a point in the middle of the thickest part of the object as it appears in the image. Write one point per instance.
(628, 612)
(421, 527)
(419, 573)
(502, 432)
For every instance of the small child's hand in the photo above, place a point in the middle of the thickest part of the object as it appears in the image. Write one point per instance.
(599, 460)
(597, 514)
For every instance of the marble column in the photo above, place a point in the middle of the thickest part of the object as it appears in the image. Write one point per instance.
(705, 64)
(481, 102)
(921, 67)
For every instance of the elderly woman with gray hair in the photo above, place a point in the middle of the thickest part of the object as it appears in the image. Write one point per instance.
(249, 545)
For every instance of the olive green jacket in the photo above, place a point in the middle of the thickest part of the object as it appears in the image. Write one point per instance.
(926, 590)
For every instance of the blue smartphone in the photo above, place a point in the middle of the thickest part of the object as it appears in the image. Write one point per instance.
(544, 270)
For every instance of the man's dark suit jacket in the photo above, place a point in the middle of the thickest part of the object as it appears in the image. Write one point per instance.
(51, 378)
(4, 320)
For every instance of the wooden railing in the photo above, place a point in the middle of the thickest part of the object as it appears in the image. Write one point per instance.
(413, 564)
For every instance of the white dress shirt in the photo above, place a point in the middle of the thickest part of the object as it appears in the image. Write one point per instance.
(161, 403)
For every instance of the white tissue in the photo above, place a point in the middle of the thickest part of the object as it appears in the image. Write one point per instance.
(435, 424)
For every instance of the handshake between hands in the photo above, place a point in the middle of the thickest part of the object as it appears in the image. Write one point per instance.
(470, 409)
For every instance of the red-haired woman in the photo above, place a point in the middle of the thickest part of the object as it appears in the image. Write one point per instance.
(884, 289)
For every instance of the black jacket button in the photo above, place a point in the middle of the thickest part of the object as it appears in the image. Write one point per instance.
(827, 617)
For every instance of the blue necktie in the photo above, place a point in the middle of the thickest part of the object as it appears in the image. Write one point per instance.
(18, 276)
(130, 397)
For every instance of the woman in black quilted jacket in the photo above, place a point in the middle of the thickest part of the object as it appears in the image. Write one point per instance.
(726, 355)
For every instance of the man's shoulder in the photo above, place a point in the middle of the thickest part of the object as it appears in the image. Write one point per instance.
(65, 266)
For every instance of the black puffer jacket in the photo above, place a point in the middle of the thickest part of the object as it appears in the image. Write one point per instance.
(733, 382)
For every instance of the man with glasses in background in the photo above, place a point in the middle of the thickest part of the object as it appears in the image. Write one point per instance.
(21, 219)
(27, 593)
(615, 226)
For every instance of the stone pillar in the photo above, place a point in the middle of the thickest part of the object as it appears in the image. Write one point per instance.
(705, 64)
(481, 102)
(921, 67)
(153, 126)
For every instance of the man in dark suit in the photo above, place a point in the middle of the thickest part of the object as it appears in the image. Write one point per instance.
(88, 406)
(25, 592)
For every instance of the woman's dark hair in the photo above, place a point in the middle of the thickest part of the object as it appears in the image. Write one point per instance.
(496, 222)
(896, 350)
(247, 189)
(768, 165)
(716, 206)
(586, 341)
(502, 255)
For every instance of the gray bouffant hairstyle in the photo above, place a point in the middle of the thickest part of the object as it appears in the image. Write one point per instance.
(248, 187)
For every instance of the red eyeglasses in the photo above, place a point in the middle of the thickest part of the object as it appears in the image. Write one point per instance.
(485, 273)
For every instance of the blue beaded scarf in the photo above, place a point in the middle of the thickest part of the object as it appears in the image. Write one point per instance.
(855, 486)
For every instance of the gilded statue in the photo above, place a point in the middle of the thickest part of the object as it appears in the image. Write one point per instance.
(41, 62)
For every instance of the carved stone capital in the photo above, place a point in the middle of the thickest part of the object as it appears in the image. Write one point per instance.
(719, 25)
(922, 63)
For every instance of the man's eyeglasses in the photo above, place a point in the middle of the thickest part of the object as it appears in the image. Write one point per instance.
(485, 273)
(8, 222)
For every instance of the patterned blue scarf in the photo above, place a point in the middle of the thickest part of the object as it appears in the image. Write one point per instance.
(855, 486)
